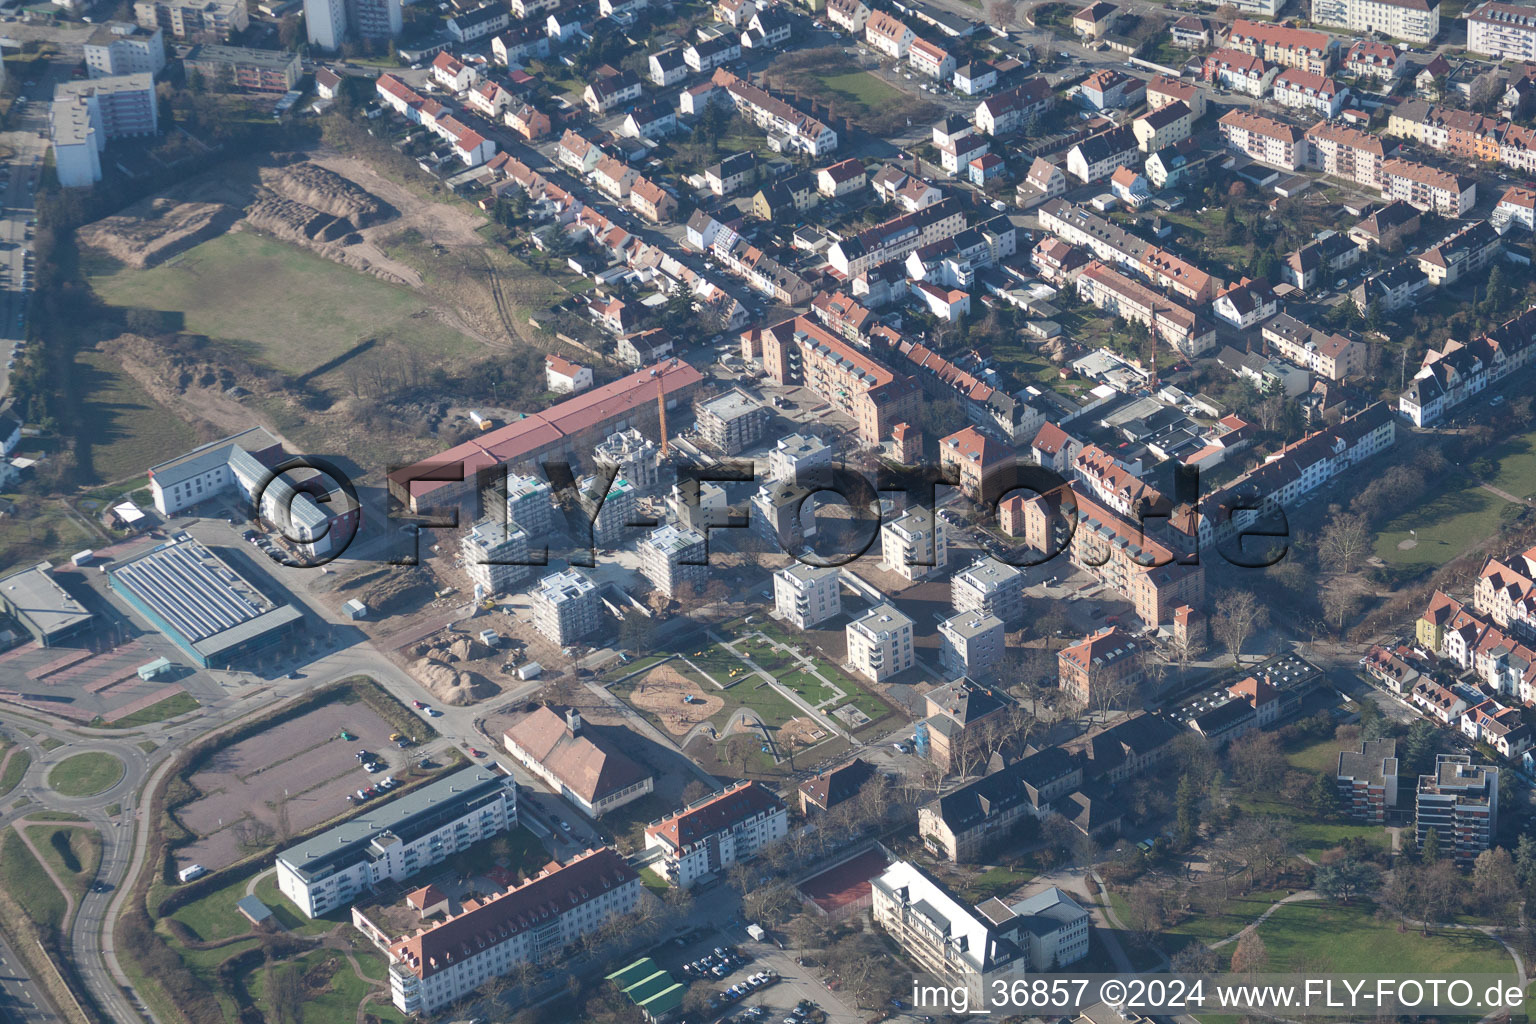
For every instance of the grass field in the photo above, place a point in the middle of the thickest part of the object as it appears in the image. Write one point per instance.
(28, 884)
(1459, 513)
(1312, 836)
(280, 305)
(50, 532)
(338, 999)
(130, 430)
(85, 774)
(1351, 939)
(1322, 756)
(73, 852)
(863, 87)
(15, 768)
(175, 704)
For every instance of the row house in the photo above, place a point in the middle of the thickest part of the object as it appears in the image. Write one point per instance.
(1239, 71)
(1245, 303)
(764, 273)
(1164, 126)
(1010, 110)
(1289, 477)
(1163, 90)
(1428, 188)
(1457, 372)
(1468, 251)
(1497, 726)
(796, 129)
(1179, 276)
(893, 239)
(667, 67)
(1314, 265)
(1307, 90)
(1107, 241)
(931, 59)
(841, 178)
(1100, 155)
(1109, 89)
(849, 15)
(1264, 139)
(1516, 206)
(1130, 300)
(888, 34)
(1368, 58)
(577, 152)
(614, 177)
(453, 74)
(653, 120)
(709, 54)
(519, 44)
(1115, 485)
(1506, 594)
(1331, 356)
(1386, 226)
(1280, 44)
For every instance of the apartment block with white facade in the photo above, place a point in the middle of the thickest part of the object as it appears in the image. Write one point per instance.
(914, 545)
(880, 643)
(566, 606)
(804, 595)
(1502, 30)
(397, 839)
(990, 587)
(124, 48)
(710, 835)
(495, 556)
(672, 557)
(1417, 21)
(970, 643)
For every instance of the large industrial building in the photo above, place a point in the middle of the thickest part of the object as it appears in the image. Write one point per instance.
(565, 431)
(201, 604)
(397, 839)
(34, 598)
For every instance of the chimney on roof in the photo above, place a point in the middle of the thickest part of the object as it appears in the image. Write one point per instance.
(573, 720)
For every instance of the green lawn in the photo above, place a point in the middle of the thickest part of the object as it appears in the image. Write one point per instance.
(73, 852)
(214, 916)
(653, 881)
(1351, 939)
(1322, 756)
(1313, 836)
(15, 768)
(85, 774)
(1460, 513)
(995, 881)
(863, 87)
(1441, 528)
(170, 707)
(130, 430)
(337, 1000)
(287, 915)
(279, 304)
(28, 884)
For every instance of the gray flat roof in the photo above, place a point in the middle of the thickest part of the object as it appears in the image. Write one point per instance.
(196, 593)
(734, 404)
(390, 816)
(39, 599)
(209, 456)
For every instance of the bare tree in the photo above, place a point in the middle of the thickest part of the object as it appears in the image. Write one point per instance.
(1238, 616)
(1345, 540)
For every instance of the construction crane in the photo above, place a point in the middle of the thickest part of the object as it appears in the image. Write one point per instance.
(661, 410)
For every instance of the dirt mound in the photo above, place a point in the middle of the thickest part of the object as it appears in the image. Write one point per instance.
(328, 192)
(152, 231)
(293, 221)
(452, 687)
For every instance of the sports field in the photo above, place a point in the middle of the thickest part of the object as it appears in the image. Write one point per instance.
(278, 304)
(862, 87)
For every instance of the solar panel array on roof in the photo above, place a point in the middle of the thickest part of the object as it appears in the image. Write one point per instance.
(195, 592)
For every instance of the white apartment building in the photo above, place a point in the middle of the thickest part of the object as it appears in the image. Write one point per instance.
(326, 23)
(566, 606)
(1417, 21)
(672, 557)
(970, 643)
(1503, 31)
(123, 48)
(710, 835)
(804, 595)
(797, 454)
(989, 587)
(633, 456)
(914, 545)
(495, 556)
(880, 643)
(531, 923)
(397, 839)
(610, 512)
(86, 115)
(530, 503)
